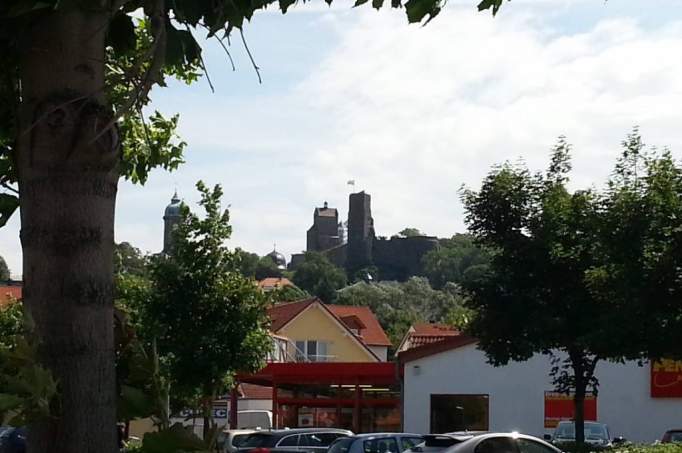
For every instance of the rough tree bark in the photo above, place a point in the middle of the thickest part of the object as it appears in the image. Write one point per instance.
(68, 181)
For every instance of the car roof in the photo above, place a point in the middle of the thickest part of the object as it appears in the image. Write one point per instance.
(571, 422)
(286, 432)
(371, 435)
(481, 437)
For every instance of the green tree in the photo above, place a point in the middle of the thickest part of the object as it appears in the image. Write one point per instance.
(247, 262)
(535, 296)
(265, 268)
(409, 233)
(4, 270)
(209, 320)
(129, 260)
(75, 78)
(641, 240)
(457, 260)
(11, 323)
(288, 294)
(398, 305)
(319, 277)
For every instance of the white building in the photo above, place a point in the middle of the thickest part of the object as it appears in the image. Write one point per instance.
(449, 386)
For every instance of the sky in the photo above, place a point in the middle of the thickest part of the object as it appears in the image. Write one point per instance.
(410, 113)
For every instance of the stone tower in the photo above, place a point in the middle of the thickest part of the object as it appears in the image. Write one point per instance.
(171, 217)
(360, 231)
(324, 234)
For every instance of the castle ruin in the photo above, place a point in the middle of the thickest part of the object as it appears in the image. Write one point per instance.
(396, 258)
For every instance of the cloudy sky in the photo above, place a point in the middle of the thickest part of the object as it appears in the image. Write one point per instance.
(410, 113)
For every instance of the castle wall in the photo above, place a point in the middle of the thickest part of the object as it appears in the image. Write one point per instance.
(400, 258)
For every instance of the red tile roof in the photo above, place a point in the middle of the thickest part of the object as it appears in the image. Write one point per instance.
(281, 314)
(433, 329)
(274, 283)
(255, 392)
(372, 334)
(426, 333)
(8, 293)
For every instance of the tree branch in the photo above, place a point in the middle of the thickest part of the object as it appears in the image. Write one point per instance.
(253, 62)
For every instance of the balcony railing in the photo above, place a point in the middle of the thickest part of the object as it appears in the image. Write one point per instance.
(285, 350)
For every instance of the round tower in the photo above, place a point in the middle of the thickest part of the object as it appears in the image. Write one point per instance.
(171, 217)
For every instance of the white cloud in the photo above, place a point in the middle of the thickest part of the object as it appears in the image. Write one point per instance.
(411, 113)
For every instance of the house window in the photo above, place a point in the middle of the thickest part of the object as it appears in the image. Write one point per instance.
(459, 412)
(312, 351)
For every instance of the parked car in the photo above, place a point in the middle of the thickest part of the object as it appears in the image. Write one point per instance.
(306, 440)
(672, 436)
(377, 443)
(595, 434)
(436, 443)
(12, 440)
(231, 439)
(503, 443)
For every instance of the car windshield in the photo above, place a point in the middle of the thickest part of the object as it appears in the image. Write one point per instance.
(258, 440)
(593, 431)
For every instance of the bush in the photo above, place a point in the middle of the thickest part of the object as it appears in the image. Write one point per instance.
(624, 448)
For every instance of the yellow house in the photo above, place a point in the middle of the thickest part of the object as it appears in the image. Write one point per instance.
(318, 332)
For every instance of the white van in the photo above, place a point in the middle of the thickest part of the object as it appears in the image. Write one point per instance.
(254, 419)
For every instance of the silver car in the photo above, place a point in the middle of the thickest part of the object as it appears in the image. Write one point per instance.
(231, 439)
(503, 443)
(376, 443)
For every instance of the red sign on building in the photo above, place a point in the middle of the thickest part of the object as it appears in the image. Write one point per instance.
(559, 406)
(666, 379)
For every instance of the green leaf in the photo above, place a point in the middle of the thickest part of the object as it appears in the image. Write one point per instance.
(360, 2)
(487, 4)
(9, 402)
(8, 204)
(417, 10)
(135, 403)
(121, 36)
(377, 4)
(181, 47)
(285, 4)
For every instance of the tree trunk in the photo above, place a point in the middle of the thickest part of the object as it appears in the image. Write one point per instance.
(579, 407)
(68, 176)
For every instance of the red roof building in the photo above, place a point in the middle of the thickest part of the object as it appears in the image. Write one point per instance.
(421, 334)
(272, 283)
(9, 293)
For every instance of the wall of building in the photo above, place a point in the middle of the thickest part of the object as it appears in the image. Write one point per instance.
(314, 323)
(516, 394)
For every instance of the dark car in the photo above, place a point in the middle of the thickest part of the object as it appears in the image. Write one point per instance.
(12, 440)
(672, 436)
(304, 440)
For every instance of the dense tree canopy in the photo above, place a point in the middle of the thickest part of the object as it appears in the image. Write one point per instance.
(583, 276)
(398, 305)
(209, 320)
(319, 277)
(457, 260)
(4, 269)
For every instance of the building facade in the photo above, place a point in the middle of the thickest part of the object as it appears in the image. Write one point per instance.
(450, 386)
